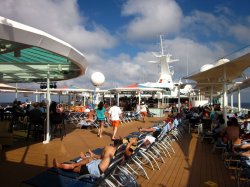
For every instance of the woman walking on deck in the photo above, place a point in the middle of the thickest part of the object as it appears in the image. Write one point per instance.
(100, 114)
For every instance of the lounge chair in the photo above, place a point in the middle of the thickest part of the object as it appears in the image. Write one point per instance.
(55, 177)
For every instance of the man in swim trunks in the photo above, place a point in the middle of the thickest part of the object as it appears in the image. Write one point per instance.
(114, 114)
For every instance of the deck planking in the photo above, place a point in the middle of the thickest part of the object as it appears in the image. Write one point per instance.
(191, 165)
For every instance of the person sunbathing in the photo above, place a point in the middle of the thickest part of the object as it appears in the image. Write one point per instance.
(91, 163)
(130, 147)
(156, 130)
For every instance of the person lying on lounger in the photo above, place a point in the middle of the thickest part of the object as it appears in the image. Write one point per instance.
(156, 130)
(91, 163)
(130, 147)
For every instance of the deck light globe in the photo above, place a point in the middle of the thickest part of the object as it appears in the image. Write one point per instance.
(97, 79)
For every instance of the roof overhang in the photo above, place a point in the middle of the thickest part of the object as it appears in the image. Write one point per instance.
(213, 79)
(128, 89)
(31, 55)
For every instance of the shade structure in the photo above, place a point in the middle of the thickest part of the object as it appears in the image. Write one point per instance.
(218, 77)
(221, 73)
(135, 88)
(240, 85)
(29, 55)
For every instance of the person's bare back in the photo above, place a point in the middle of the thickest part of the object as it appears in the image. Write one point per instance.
(233, 133)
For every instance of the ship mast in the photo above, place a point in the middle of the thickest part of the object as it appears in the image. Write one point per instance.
(165, 60)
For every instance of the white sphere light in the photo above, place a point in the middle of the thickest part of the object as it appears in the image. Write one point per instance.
(97, 79)
(222, 61)
(188, 87)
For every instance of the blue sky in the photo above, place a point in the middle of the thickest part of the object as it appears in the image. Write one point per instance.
(118, 36)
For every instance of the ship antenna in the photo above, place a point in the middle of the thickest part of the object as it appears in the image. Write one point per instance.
(162, 49)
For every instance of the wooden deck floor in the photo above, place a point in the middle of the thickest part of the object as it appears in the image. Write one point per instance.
(190, 166)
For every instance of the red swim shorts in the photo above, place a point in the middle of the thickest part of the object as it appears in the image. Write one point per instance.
(115, 123)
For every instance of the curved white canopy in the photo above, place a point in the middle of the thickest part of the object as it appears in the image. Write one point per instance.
(27, 54)
(220, 74)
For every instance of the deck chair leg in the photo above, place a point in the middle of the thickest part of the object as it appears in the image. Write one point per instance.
(157, 153)
(146, 157)
(142, 169)
(149, 155)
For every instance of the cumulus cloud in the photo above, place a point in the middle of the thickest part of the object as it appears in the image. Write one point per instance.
(125, 69)
(151, 18)
(216, 26)
(192, 41)
(60, 18)
(241, 32)
(200, 23)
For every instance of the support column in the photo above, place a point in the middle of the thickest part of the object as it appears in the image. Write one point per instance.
(110, 103)
(179, 99)
(232, 101)
(118, 98)
(47, 138)
(211, 95)
(36, 96)
(139, 95)
(225, 102)
(16, 96)
(239, 100)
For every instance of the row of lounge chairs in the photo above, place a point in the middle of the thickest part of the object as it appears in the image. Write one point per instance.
(80, 119)
(120, 172)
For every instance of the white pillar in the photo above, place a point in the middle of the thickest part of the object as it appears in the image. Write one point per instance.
(118, 98)
(36, 96)
(232, 101)
(211, 94)
(110, 99)
(162, 99)
(84, 99)
(179, 98)
(225, 103)
(139, 95)
(47, 138)
(239, 100)
(16, 92)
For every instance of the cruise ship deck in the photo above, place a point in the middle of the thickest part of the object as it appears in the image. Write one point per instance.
(191, 165)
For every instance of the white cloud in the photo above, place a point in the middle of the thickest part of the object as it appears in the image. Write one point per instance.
(192, 55)
(124, 69)
(241, 32)
(205, 24)
(60, 18)
(152, 18)
(218, 27)
(149, 18)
